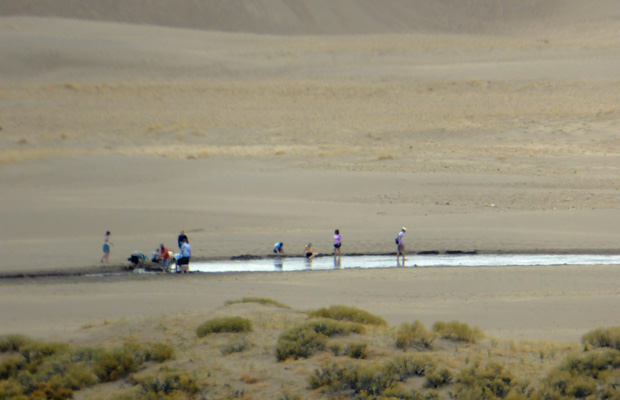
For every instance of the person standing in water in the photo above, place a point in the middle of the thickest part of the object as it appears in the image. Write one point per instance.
(337, 243)
(106, 247)
(400, 245)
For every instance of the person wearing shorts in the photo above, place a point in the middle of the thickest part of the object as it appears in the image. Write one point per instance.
(337, 242)
(106, 247)
(308, 253)
(186, 255)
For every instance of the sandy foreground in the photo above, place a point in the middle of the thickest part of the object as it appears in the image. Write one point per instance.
(473, 141)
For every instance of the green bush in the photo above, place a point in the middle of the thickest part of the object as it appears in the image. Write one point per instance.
(414, 335)
(345, 313)
(458, 331)
(357, 350)
(225, 324)
(260, 300)
(603, 337)
(305, 339)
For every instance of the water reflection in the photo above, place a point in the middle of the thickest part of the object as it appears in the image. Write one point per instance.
(387, 261)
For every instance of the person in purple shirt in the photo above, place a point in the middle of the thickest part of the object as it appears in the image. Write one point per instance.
(337, 243)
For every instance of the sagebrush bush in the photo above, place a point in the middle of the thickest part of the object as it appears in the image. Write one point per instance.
(377, 380)
(166, 386)
(458, 331)
(357, 350)
(299, 342)
(235, 347)
(49, 370)
(345, 313)
(603, 337)
(260, 300)
(225, 324)
(414, 335)
(481, 382)
(13, 343)
(305, 339)
(437, 379)
(407, 365)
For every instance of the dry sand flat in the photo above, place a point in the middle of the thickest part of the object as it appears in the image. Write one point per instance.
(492, 127)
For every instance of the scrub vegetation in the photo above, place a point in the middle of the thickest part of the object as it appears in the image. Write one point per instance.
(267, 350)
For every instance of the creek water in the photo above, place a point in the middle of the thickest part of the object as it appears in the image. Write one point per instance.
(385, 261)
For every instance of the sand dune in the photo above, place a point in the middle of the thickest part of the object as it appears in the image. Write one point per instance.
(487, 125)
(282, 17)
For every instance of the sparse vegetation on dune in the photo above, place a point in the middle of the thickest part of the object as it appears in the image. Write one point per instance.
(305, 357)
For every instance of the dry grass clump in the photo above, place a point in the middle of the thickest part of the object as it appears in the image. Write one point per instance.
(225, 324)
(414, 335)
(259, 300)
(458, 331)
(345, 313)
(305, 339)
(603, 337)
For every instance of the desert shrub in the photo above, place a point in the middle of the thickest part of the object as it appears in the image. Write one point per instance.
(603, 337)
(11, 389)
(330, 327)
(489, 382)
(344, 313)
(235, 347)
(225, 324)
(405, 366)
(457, 331)
(35, 353)
(438, 379)
(299, 342)
(158, 352)
(303, 340)
(414, 335)
(13, 343)
(368, 380)
(357, 350)
(11, 365)
(167, 386)
(260, 300)
(374, 380)
(592, 364)
(118, 363)
(335, 348)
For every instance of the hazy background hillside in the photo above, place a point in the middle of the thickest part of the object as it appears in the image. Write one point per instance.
(334, 17)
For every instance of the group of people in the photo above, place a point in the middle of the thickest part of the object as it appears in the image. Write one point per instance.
(278, 248)
(161, 254)
(182, 259)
